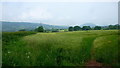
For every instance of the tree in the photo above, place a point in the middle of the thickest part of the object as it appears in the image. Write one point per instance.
(111, 26)
(86, 28)
(39, 29)
(97, 28)
(55, 30)
(76, 28)
(71, 28)
(117, 26)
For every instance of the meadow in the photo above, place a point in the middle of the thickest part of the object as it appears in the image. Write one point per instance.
(74, 48)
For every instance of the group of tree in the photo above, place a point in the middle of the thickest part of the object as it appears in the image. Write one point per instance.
(77, 28)
(86, 28)
(40, 29)
(117, 26)
(97, 28)
(110, 27)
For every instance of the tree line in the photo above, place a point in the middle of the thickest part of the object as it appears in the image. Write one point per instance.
(76, 28)
(42, 29)
(110, 27)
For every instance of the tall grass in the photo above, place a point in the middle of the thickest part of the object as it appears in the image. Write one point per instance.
(8, 37)
(63, 49)
(106, 49)
(12, 47)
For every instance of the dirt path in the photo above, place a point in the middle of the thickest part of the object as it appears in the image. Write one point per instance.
(93, 61)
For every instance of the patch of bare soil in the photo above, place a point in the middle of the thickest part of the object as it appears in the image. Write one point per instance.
(93, 63)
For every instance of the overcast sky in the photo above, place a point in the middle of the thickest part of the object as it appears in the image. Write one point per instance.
(61, 13)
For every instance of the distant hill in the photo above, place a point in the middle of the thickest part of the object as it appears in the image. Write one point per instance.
(88, 24)
(15, 26)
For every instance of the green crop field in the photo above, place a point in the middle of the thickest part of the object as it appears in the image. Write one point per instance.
(61, 48)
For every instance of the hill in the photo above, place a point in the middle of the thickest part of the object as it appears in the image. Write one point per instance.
(15, 26)
(88, 24)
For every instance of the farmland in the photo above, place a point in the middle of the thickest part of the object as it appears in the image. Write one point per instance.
(74, 48)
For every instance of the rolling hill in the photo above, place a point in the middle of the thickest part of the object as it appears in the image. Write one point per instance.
(15, 26)
(88, 24)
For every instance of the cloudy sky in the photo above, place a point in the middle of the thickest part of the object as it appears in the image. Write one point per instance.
(61, 13)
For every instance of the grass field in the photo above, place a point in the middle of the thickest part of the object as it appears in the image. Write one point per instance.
(63, 49)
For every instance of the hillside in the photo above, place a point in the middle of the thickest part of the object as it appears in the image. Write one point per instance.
(15, 26)
(88, 24)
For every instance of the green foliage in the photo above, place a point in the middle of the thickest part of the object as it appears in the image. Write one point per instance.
(117, 26)
(86, 28)
(65, 30)
(107, 51)
(111, 27)
(97, 28)
(62, 49)
(11, 37)
(55, 30)
(40, 29)
(76, 28)
(71, 28)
